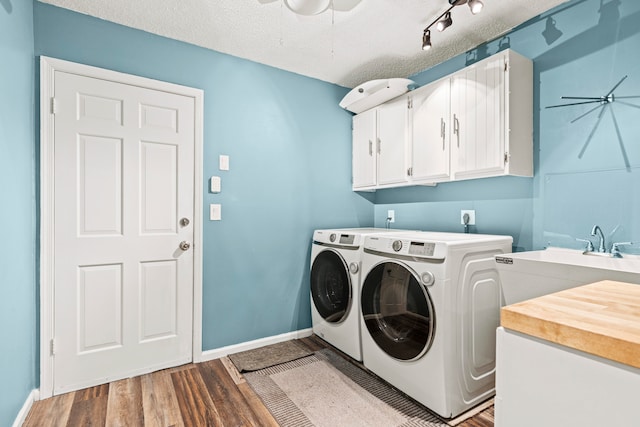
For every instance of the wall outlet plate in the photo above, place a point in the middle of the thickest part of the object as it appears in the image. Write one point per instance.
(391, 215)
(472, 216)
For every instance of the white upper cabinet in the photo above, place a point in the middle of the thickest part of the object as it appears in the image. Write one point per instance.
(365, 156)
(430, 125)
(380, 147)
(392, 142)
(492, 114)
(475, 123)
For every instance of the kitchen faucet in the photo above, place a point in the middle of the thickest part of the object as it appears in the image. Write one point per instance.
(596, 231)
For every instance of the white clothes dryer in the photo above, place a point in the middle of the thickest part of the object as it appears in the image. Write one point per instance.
(335, 286)
(430, 307)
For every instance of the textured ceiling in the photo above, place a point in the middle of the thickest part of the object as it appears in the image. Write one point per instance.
(353, 42)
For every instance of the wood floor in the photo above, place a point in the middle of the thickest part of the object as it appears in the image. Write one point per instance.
(204, 394)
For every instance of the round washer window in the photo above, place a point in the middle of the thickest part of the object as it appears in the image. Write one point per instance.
(397, 311)
(331, 286)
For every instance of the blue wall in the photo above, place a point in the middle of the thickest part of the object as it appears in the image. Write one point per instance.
(17, 215)
(587, 172)
(290, 154)
(283, 133)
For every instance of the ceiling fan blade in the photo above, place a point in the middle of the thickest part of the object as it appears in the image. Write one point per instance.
(581, 97)
(593, 131)
(621, 142)
(573, 103)
(345, 5)
(587, 113)
(616, 86)
(629, 104)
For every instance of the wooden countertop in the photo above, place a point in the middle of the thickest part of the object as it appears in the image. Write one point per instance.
(602, 318)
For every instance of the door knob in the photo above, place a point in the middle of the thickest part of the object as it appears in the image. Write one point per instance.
(184, 222)
(184, 245)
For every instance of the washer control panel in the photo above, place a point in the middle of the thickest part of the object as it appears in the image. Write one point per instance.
(337, 238)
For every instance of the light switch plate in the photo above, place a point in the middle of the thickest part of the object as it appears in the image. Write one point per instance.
(215, 184)
(224, 162)
(215, 212)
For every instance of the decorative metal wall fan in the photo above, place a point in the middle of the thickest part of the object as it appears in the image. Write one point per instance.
(315, 7)
(604, 103)
(601, 100)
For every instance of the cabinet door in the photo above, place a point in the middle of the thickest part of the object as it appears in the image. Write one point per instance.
(392, 147)
(477, 109)
(430, 141)
(364, 150)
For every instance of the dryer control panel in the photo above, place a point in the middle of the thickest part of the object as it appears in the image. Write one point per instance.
(422, 248)
(401, 245)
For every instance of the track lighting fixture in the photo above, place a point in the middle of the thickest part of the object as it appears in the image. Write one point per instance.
(444, 20)
(475, 6)
(426, 40)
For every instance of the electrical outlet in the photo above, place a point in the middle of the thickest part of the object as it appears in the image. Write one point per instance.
(391, 215)
(472, 217)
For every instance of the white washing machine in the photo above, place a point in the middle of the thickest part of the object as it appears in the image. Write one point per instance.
(430, 308)
(335, 286)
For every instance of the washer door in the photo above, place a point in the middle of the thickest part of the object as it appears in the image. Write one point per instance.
(398, 311)
(331, 286)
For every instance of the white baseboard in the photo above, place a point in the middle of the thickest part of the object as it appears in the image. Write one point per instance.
(24, 411)
(250, 345)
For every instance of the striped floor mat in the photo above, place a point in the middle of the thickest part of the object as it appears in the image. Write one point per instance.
(326, 390)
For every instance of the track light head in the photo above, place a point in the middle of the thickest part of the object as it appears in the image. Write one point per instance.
(445, 22)
(475, 6)
(426, 40)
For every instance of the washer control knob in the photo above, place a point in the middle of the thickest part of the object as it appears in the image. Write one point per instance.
(332, 237)
(427, 278)
(397, 245)
(353, 267)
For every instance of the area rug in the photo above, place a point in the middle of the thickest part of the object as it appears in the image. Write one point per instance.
(264, 357)
(325, 390)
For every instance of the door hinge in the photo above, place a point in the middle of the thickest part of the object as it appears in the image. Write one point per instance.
(506, 158)
(410, 172)
(409, 103)
(54, 106)
(506, 66)
(52, 347)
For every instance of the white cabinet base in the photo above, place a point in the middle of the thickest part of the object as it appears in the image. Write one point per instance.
(539, 383)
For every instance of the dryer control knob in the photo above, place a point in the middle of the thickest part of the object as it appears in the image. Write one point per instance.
(427, 278)
(353, 267)
(397, 245)
(332, 237)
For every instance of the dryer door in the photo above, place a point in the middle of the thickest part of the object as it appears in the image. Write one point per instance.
(331, 286)
(398, 311)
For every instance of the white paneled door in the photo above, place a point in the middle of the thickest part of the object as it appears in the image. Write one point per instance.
(123, 265)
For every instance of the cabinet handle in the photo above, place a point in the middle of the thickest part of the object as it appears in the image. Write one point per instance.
(370, 148)
(442, 131)
(456, 128)
(379, 143)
